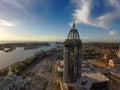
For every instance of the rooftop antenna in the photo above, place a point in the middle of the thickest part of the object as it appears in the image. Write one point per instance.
(73, 24)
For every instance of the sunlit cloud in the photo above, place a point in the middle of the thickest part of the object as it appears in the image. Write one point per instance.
(112, 33)
(83, 13)
(6, 23)
(14, 10)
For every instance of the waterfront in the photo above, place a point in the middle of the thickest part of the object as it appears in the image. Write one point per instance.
(19, 54)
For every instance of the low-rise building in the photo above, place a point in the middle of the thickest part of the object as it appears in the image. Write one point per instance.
(93, 81)
(114, 62)
(118, 53)
(13, 82)
(114, 81)
(89, 81)
(59, 66)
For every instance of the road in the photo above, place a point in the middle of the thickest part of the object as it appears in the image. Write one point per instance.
(42, 72)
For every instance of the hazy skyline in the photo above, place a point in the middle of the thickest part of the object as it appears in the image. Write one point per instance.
(50, 20)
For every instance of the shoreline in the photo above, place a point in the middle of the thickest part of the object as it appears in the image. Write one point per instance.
(21, 67)
(8, 47)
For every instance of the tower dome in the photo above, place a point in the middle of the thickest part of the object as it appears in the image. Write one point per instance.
(73, 34)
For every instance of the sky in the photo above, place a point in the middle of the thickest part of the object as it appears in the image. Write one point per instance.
(51, 20)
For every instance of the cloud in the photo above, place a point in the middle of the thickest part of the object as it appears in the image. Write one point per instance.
(14, 10)
(22, 11)
(83, 12)
(6, 23)
(112, 33)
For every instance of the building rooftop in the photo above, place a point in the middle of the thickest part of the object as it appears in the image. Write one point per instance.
(88, 79)
(116, 74)
(7, 80)
(116, 60)
(95, 76)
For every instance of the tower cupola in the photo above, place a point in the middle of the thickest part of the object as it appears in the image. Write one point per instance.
(73, 34)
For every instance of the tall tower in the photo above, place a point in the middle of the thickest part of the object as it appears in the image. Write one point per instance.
(72, 56)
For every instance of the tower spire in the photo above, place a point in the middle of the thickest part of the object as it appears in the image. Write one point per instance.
(73, 24)
(10, 71)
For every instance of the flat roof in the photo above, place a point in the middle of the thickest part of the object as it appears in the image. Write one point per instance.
(91, 78)
(116, 74)
(95, 76)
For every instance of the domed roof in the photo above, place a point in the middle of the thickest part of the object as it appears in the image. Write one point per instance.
(73, 34)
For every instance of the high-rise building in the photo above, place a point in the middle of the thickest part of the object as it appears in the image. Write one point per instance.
(72, 56)
(73, 78)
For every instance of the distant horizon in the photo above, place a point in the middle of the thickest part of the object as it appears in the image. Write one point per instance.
(62, 41)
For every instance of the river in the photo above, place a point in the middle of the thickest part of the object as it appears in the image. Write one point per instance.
(19, 54)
